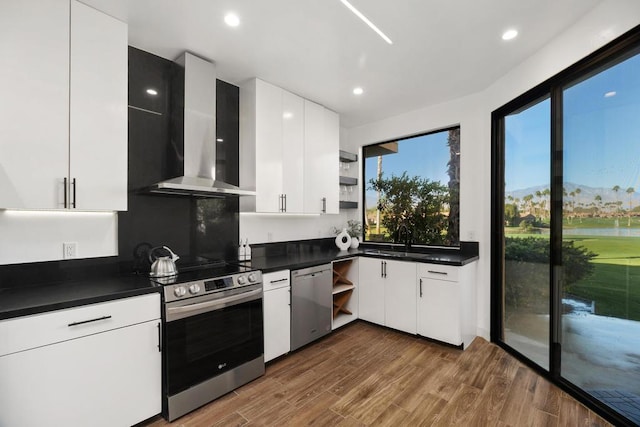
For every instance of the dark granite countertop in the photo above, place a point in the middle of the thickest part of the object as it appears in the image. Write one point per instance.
(304, 259)
(27, 289)
(26, 300)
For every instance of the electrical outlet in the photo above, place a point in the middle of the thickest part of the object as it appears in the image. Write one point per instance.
(269, 237)
(471, 235)
(70, 250)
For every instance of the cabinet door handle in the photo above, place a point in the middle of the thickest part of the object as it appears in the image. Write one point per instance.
(82, 322)
(159, 337)
(73, 182)
(66, 193)
(324, 205)
(285, 202)
(444, 273)
(279, 280)
(420, 288)
(280, 204)
(385, 268)
(381, 268)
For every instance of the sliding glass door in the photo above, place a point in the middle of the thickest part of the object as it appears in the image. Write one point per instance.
(600, 333)
(566, 248)
(527, 265)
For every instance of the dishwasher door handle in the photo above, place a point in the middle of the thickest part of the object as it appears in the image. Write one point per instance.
(312, 274)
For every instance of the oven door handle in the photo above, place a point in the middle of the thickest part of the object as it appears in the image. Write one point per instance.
(174, 313)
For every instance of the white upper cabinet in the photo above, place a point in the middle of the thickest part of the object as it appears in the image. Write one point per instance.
(34, 112)
(288, 151)
(64, 103)
(270, 148)
(292, 151)
(98, 110)
(321, 147)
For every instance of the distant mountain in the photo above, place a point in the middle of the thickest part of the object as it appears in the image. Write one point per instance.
(587, 194)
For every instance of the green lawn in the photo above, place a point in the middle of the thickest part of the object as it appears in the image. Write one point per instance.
(615, 282)
(614, 288)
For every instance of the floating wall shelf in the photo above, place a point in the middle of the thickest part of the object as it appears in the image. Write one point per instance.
(347, 180)
(347, 157)
(348, 205)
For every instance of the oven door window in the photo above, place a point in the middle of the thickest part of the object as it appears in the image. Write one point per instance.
(208, 344)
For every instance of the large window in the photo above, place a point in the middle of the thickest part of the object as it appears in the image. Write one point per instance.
(566, 266)
(412, 188)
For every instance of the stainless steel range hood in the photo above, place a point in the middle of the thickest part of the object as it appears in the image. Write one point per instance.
(196, 125)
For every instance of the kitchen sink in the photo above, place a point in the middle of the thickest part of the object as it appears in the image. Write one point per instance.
(408, 255)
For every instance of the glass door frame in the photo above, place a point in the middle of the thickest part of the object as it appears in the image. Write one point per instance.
(625, 46)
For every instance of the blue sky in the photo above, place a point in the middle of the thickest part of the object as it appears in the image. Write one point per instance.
(601, 134)
(424, 156)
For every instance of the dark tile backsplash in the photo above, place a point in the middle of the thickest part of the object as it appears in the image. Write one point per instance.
(190, 227)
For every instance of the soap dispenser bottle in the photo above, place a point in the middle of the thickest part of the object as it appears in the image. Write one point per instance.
(247, 251)
(241, 251)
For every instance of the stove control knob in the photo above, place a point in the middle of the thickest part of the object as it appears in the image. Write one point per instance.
(242, 280)
(252, 278)
(194, 289)
(180, 291)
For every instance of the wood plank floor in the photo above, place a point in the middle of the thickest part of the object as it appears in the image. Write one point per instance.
(365, 375)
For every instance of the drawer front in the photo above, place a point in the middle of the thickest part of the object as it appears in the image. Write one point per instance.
(438, 271)
(28, 332)
(276, 280)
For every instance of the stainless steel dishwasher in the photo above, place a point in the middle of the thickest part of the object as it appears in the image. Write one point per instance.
(311, 303)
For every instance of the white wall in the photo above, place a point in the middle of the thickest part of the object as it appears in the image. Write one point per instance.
(32, 236)
(263, 228)
(607, 21)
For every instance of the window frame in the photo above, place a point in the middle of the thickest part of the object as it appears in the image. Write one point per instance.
(606, 57)
(418, 246)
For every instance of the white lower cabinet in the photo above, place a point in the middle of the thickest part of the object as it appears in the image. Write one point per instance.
(387, 293)
(94, 370)
(446, 308)
(371, 291)
(400, 295)
(277, 314)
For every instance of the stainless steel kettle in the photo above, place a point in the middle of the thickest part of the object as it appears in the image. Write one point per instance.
(163, 266)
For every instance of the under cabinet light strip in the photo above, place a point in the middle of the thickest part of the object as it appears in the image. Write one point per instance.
(366, 21)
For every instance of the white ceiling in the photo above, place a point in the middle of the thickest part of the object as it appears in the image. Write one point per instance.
(442, 49)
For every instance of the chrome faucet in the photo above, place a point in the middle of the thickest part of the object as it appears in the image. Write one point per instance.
(407, 236)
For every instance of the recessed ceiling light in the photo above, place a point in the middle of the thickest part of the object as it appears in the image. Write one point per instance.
(358, 91)
(509, 34)
(152, 92)
(610, 94)
(232, 20)
(366, 21)
(287, 115)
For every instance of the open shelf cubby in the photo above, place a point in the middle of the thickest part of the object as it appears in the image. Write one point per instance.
(345, 297)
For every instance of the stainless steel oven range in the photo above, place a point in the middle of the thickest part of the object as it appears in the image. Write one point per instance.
(213, 335)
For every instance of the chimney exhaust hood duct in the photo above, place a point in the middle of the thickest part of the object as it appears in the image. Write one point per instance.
(196, 123)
